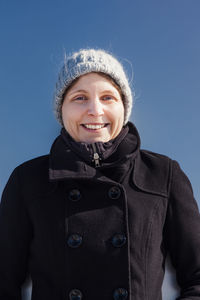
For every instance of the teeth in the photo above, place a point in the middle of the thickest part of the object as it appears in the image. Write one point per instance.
(94, 126)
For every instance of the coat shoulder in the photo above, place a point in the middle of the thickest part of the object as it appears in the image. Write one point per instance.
(154, 155)
(152, 172)
(34, 175)
(34, 168)
(35, 163)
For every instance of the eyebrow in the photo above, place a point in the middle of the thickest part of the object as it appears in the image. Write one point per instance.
(84, 91)
(77, 91)
(109, 91)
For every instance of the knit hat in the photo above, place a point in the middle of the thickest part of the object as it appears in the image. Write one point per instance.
(87, 61)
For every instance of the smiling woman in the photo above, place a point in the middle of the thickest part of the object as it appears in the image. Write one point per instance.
(93, 110)
(96, 217)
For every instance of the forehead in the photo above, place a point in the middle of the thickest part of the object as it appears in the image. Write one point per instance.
(93, 79)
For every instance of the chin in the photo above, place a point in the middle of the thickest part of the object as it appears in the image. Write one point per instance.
(97, 139)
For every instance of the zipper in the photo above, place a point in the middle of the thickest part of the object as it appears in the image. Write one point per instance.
(96, 157)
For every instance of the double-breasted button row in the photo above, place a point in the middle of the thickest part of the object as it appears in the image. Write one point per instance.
(114, 193)
(119, 294)
(75, 240)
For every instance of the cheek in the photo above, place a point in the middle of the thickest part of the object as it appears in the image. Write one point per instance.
(65, 115)
(69, 114)
(117, 113)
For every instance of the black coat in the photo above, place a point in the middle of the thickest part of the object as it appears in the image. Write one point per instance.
(93, 232)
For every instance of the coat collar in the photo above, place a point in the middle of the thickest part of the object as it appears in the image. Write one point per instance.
(150, 174)
(72, 160)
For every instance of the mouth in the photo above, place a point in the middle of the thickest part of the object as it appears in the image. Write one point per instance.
(96, 126)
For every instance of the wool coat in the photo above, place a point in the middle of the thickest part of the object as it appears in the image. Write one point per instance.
(95, 221)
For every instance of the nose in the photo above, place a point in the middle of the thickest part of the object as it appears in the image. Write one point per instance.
(95, 107)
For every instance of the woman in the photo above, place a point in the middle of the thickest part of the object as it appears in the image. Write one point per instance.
(96, 217)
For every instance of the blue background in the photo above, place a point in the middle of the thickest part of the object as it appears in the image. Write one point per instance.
(157, 41)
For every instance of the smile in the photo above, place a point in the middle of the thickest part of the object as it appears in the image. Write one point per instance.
(94, 127)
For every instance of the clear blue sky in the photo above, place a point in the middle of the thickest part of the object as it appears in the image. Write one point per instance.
(159, 41)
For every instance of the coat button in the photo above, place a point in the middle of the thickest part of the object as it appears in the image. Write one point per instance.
(74, 195)
(118, 240)
(74, 241)
(75, 294)
(120, 294)
(114, 192)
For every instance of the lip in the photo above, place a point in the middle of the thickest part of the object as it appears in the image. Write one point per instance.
(94, 123)
(94, 130)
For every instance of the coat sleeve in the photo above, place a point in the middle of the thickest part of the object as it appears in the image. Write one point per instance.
(15, 236)
(183, 234)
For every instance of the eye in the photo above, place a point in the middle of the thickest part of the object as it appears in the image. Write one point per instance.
(80, 98)
(108, 97)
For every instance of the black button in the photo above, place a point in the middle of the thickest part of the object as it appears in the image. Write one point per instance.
(118, 240)
(74, 195)
(114, 192)
(120, 294)
(74, 241)
(75, 294)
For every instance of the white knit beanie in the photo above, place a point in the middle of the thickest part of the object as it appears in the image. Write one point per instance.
(87, 61)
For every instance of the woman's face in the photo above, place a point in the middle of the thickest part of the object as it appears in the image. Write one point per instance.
(93, 110)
